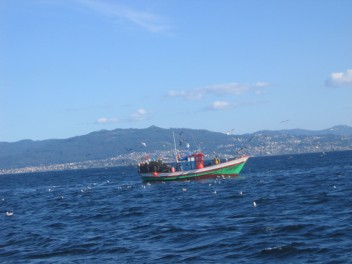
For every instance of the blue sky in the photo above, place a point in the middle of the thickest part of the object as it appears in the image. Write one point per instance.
(71, 67)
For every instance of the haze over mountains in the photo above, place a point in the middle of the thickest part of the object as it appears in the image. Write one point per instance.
(126, 146)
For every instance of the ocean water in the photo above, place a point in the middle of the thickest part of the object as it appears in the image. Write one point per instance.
(282, 209)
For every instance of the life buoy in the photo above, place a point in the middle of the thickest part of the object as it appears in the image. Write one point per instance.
(200, 166)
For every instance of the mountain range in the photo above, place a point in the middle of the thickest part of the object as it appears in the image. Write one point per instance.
(125, 146)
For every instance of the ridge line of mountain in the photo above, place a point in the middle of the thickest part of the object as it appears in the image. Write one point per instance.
(124, 146)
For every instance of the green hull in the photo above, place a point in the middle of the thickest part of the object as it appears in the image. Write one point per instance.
(226, 169)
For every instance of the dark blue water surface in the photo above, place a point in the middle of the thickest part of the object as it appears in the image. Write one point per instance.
(282, 209)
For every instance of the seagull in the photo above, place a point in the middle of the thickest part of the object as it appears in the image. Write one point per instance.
(254, 204)
(8, 213)
(144, 144)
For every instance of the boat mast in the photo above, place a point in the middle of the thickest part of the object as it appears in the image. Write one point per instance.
(173, 134)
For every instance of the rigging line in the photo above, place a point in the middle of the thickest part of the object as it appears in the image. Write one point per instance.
(195, 143)
(246, 144)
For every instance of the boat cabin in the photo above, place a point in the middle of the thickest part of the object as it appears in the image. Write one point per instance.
(199, 160)
(191, 162)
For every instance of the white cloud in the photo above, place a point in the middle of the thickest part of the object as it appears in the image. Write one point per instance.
(140, 115)
(105, 120)
(114, 11)
(233, 88)
(338, 79)
(220, 105)
(189, 95)
(224, 105)
(227, 88)
(219, 90)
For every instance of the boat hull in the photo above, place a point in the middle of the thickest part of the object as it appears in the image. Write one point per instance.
(230, 168)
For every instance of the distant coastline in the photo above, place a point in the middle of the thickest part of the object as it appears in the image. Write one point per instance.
(122, 147)
(107, 163)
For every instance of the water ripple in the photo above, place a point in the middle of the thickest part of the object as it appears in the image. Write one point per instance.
(302, 215)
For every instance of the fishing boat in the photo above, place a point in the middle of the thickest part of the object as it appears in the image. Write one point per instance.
(190, 167)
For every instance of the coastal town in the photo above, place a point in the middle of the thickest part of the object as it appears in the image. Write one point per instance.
(261, 145)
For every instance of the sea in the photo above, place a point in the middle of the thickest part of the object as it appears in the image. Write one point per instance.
(281, 209)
